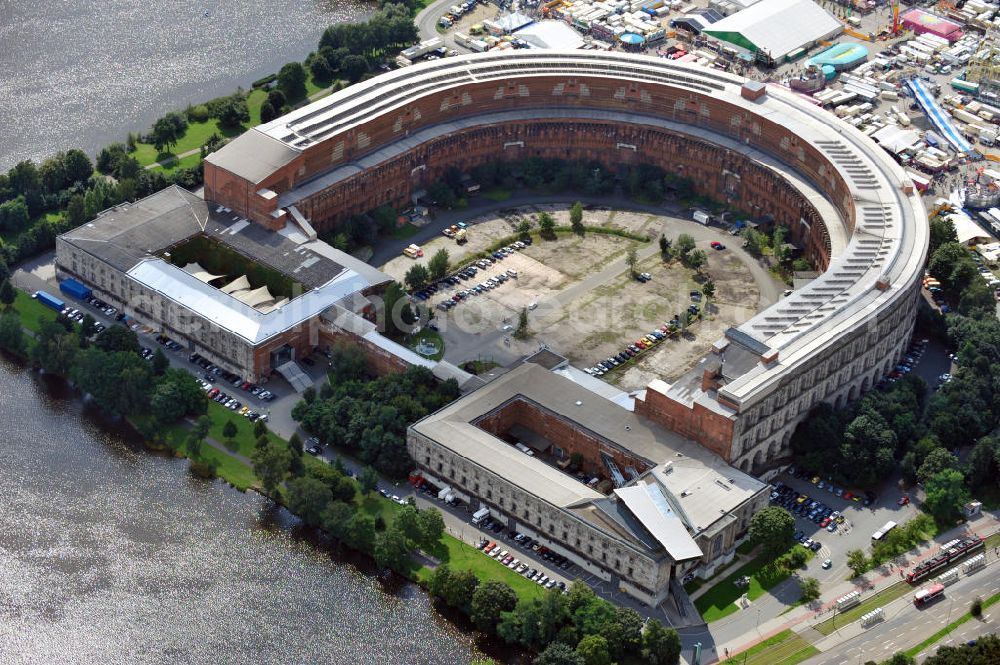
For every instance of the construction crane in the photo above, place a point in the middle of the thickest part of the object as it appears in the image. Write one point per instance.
(895, 17)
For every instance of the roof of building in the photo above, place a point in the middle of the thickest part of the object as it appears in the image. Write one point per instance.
(649, 505)
(253, 155)
(132, 237)
(711, 487)
(777, 27)
(551, 35)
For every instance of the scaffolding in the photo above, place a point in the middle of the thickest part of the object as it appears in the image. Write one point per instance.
(984, 66)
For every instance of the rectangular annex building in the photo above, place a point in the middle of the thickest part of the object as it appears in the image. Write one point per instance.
(625, 499)
(247, 298)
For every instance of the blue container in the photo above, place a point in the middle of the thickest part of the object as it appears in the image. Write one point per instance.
(75, 289)
(50, 300)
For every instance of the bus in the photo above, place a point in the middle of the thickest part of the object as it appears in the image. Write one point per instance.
(880, 534)
(928, 595)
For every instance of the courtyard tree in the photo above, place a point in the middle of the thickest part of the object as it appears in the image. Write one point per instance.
(547, 225)
(631, 259)
(576, 218)
(772, 529)
(417, 277)
(438, 264)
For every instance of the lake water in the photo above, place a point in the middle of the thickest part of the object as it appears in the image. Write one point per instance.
(81, 74)
(110, 554)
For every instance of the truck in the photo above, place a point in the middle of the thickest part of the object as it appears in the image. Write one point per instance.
(461, 236)
(421, 49)
(49, 300)
(701, 217)
(480, 515)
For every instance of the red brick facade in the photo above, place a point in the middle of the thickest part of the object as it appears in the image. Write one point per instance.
(710, 429)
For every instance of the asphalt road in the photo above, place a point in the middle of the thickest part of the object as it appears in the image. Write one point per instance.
(906, 625)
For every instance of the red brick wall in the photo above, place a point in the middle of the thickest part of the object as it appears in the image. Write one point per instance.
(562, 432)
(380, 361)
(697, 423)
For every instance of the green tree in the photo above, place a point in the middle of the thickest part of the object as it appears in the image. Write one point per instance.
(117, 338)
(438, 264)
(684, 245)
(14, 215)
(942, 232)
(977, 607)
(664, 247)
(576, 218)
(76, 213)
(431, 524)
(353, 67)
(229, 432)
(396, 314)
(335, 518)
(558, 653)
(88, 327)
(945, 494)
(809, 587)
(631, 258)
(772, 529)
(359, 532)
(233, 111)
(308, 497)
(8, 294)
(367, 479)
(119, 382)
(391, 549)
(546, 225)
(900, 658)
(858, 562)
(936, 460)
(160, 362)
(417, 277)
(408, 523)
(708, 288)
(271, 464)
(661, 645)
(12, 333)
(624, 632)
(292, 80)
(55, 349)
(522, 331)
(260, 429)
(696, 260)
(952, 264)
(594, 650)
(489, 601)
(524, 229)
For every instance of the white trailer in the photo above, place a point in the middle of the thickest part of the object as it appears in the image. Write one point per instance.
(480, 515)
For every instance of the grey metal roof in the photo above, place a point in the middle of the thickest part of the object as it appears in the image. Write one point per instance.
(253, 156)
(650, 507)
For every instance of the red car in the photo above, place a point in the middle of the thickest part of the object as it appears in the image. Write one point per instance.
(717, 245)
(903, 500)
(825, 523)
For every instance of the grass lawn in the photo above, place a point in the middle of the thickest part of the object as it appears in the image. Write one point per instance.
(431, 336)
(188, 162)
(229, 468)
(195, 136)
(30, 311)
(460, 556)
(496, 194)
(405, 231)
(254, 101)
(244, 438)
(879, 599)
(785, 648)
(720, 600)
(992, 540)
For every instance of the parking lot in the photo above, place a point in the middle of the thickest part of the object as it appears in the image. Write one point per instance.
(813, 503)
(580, 296)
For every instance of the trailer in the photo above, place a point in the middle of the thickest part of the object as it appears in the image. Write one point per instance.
(75, 289)
(49, 300)
(444, 492)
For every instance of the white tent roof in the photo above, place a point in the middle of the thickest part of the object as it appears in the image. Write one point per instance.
(255, 297)
(966, 229)
(896, 139)
(778, 27)
(241, 283)
(551, 35)
(200, 273)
